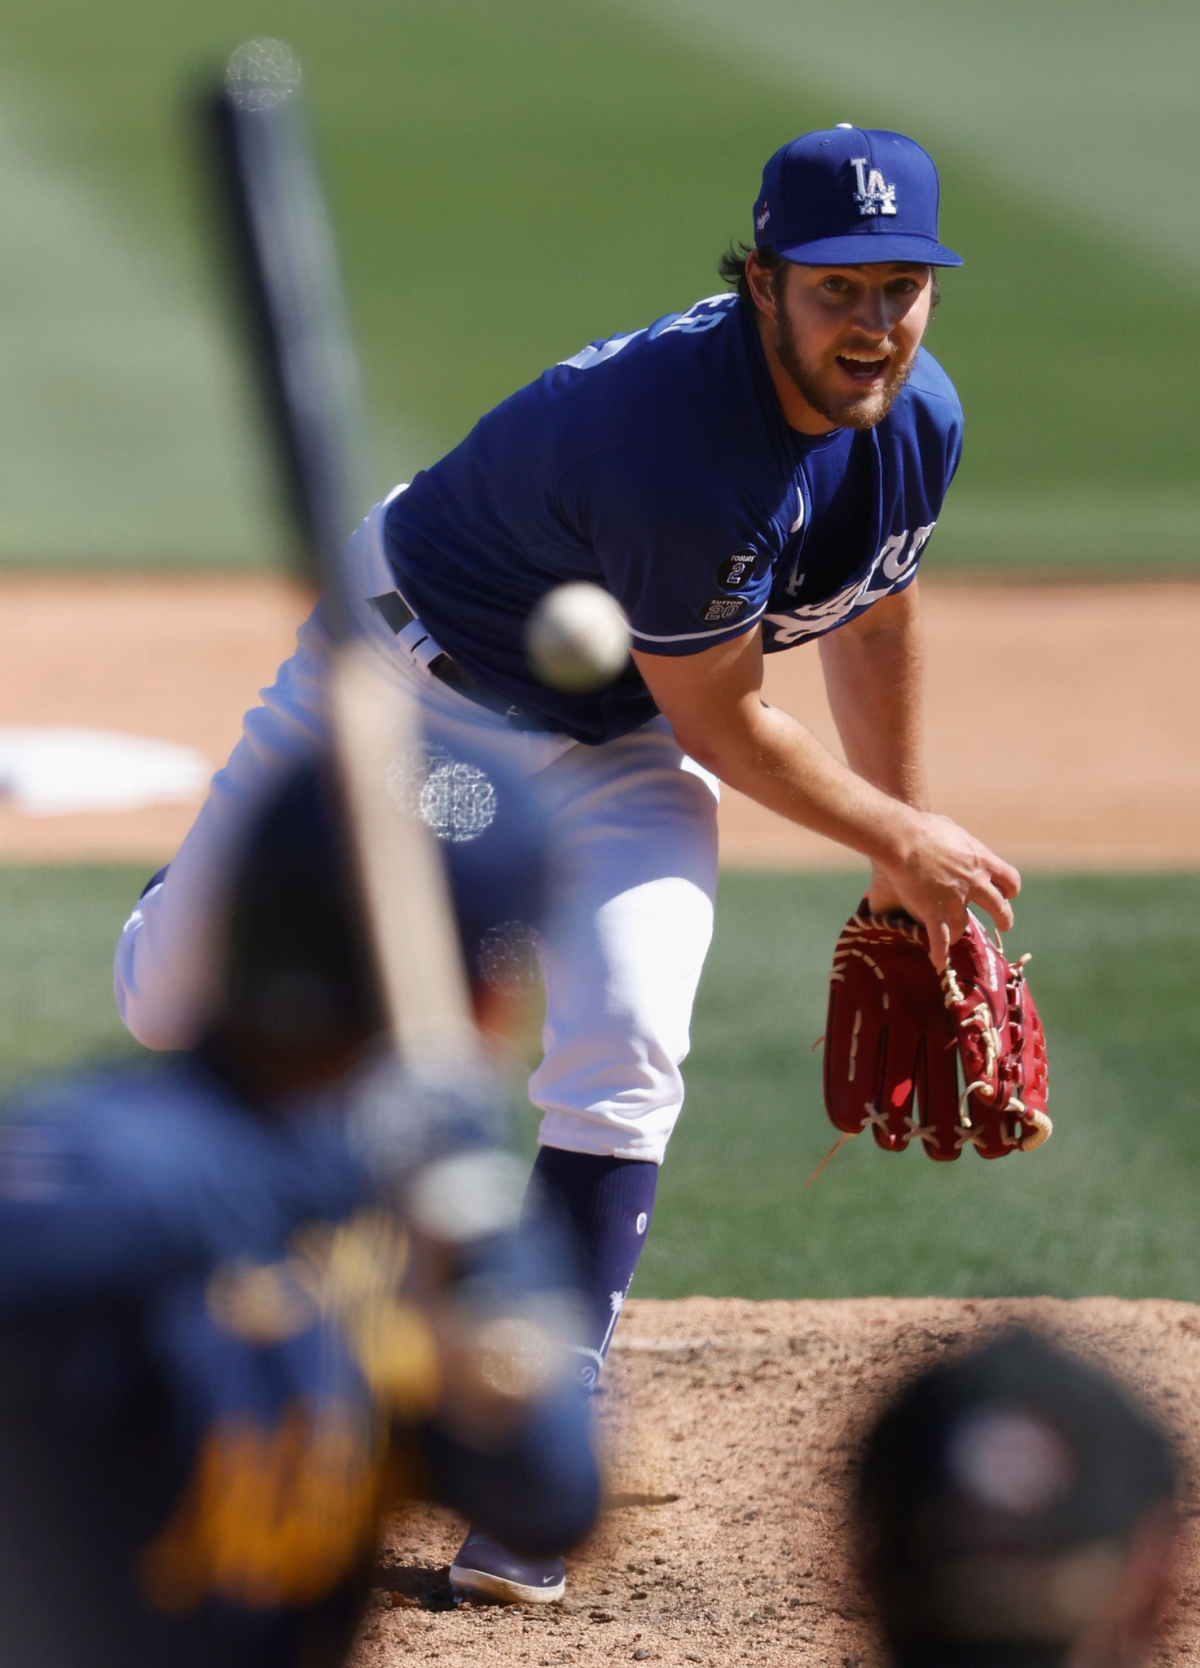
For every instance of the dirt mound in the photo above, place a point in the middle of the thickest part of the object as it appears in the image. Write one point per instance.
(733, 1428)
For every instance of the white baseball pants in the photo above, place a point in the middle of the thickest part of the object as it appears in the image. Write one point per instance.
(634, 822)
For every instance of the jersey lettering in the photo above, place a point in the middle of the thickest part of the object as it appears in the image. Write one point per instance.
(920, 540)
(703, 315)
(891, 557)
(587, 357)
(895, 561)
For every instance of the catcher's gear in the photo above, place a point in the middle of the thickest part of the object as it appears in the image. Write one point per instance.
(897, 1030)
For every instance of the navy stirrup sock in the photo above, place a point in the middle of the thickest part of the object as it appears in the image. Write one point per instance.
(606, 1203)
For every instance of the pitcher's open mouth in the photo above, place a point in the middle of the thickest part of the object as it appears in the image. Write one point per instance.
(863, 370)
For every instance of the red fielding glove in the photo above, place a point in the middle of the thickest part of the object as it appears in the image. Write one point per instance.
(897, 1030)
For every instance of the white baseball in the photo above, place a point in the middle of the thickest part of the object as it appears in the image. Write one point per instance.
(577, 638)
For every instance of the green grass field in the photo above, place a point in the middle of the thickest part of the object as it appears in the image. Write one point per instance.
(60, 927)
(1110, 1205)
(511, 181)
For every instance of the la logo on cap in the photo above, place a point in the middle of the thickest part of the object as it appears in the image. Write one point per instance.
(874, 194)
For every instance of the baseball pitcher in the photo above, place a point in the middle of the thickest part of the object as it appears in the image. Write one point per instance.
(760, 471)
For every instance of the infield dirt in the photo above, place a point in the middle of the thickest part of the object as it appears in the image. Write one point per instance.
(1063, 721)
(734, 1429)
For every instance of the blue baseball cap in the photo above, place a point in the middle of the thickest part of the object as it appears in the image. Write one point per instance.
(848, 196)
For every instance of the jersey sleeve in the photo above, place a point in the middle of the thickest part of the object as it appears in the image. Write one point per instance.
(680, 548)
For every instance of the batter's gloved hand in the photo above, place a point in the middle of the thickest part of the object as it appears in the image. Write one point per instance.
(897, 1030)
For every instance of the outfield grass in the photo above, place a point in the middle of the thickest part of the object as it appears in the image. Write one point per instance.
(1110, 1205)
(60, 928)
(510, 181)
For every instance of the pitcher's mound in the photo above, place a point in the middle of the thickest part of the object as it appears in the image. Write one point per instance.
(732, 1429)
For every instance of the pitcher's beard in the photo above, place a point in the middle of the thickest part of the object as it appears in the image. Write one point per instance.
(854, 411)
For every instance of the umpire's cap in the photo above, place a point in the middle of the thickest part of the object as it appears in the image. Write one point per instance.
(997, 1499)
(299, 968)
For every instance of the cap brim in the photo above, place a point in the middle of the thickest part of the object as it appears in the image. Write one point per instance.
(870, 249)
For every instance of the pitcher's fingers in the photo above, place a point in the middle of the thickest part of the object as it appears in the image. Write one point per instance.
(940, 941)
(1005, 878)
(997, 906)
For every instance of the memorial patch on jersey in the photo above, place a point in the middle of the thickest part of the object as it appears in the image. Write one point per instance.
(735, 570)
(717, 610)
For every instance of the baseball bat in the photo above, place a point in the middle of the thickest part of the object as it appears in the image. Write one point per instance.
(282, 257)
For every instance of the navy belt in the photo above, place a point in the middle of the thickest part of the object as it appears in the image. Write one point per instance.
(396, 614)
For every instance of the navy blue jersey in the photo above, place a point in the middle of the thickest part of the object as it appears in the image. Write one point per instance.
(187, 1426)
(112, 1183)
(659, 465)
(120, 1194)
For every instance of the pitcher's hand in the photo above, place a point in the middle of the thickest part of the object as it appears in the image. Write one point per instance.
(943, 870)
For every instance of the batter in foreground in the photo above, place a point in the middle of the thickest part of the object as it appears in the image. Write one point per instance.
(761, 470)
